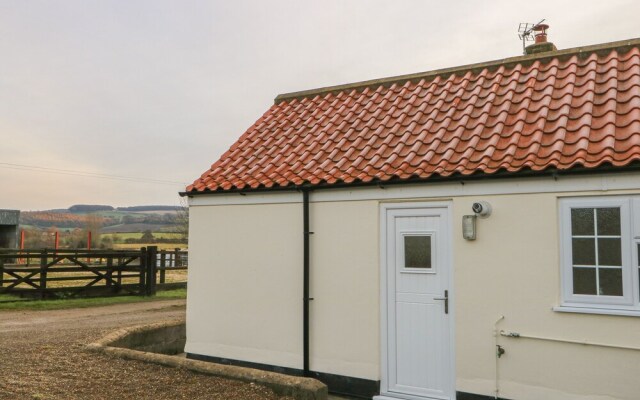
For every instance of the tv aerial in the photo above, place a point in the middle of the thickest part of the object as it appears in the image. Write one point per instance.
(525, 32)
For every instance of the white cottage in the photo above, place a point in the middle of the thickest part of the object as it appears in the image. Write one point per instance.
(465, 233)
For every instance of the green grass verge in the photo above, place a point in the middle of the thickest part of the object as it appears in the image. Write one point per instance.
(138, 235)
(160, 246)
(7, 297)
(85, 302)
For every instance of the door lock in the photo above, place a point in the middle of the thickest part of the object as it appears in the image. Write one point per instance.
(446, 301)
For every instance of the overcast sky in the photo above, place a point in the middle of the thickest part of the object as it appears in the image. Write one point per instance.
(157, 90)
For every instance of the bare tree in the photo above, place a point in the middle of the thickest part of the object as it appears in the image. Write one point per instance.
(182, 219)
(147, 237)
(93, 224)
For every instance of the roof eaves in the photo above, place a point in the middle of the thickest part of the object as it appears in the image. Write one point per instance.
(478, 176)
(512, 61)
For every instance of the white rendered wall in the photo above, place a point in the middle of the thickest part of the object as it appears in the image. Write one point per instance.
(244, 299)
(245, 285)
(344, 264)
(511, 270)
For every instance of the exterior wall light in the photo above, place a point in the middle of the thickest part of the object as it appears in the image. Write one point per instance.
(469, 227)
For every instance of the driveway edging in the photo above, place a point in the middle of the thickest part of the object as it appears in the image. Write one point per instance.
(298, 387)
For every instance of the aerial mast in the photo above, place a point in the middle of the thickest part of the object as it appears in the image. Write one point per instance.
(525, 32)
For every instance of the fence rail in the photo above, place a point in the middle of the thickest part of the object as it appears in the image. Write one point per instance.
(47, 273)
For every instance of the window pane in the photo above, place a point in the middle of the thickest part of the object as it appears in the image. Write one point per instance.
(608, 221)
(584, 251)
(584, 281)
(610, 281)
(417, 251)
(609, 252)
(582, 221)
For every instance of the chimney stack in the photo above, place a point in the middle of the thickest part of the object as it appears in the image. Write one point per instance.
(541, 45)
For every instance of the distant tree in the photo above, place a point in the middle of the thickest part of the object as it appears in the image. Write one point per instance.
(169, 218)
(44, 219)
(51, 237)
(106, 242)
(152, 219)
(93, 224)
(78, 239)
(129, 219)
(89, 208)
(35, 239)
(115, 238)
(147, 237)
(182, 220)
(148, 208)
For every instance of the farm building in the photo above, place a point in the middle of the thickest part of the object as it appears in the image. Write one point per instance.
(9, 220)
(468, 233)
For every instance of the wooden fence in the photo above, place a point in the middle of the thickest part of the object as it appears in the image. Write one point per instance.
(47, 273)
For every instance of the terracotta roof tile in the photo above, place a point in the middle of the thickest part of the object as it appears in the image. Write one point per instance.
(556, 110)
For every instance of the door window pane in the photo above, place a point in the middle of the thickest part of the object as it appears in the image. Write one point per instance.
(610, 281)
(608, 221)
(584, 281)
(417, 251)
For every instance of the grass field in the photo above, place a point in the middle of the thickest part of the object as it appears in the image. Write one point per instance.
(161, 246)
(6, 303)
(138, 235)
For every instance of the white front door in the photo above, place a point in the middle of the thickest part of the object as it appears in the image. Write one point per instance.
(417, 310)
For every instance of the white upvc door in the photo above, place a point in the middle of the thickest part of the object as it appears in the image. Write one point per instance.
(417, 312)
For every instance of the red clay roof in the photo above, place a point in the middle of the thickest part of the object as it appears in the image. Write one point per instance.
(578, 107)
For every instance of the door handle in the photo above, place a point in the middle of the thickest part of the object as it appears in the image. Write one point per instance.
(446, 301)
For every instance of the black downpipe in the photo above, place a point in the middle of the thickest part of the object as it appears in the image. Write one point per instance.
(305, 290)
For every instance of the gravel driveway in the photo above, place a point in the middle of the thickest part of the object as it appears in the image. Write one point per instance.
(42, 357)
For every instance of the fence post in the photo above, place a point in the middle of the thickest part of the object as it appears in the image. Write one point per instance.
(1, 271)
(152, 254)
(120, 270)
(163, 265)
(43, 274)
(144, 266)
(109, 270)
(177, 262)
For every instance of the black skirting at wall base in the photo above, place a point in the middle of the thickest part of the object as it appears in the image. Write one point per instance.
(471, 396)
(247, 364)
(348, 386)
(337, 384)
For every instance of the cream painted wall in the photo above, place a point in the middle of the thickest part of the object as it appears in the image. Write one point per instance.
(245, 294)
(245, 285)
(511, 270)
(344, 282)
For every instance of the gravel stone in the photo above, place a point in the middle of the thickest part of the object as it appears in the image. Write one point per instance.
(42, 356)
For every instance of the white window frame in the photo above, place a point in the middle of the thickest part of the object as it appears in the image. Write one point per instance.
(628, 304)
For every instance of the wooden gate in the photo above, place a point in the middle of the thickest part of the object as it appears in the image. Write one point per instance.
(72, 272)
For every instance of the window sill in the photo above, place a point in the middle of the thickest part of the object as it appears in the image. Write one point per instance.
(601, 311)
